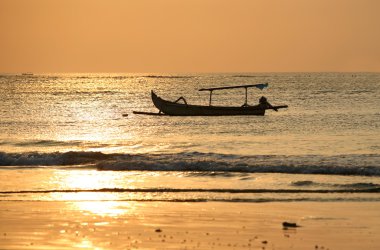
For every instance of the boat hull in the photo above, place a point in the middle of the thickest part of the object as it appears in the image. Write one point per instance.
(179, 109)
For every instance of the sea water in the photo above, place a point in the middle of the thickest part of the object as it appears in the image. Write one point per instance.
(74, 137)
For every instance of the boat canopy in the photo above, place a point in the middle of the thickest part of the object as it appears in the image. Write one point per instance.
(260, 86)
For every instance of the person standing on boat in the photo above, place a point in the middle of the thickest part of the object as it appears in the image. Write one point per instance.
(264, 102)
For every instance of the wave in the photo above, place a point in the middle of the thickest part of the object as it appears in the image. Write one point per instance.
(232, 200)
(208, 163)
(44, 143)
(170, 77)
(250, 76)
(196, 190)
(51, 159)
(359, 185)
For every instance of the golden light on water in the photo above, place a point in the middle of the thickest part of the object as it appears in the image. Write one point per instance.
(94, 198)
(88, 180)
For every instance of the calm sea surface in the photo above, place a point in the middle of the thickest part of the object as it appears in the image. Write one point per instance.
(64, 137)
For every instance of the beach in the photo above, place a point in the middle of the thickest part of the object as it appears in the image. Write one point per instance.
(202, 225)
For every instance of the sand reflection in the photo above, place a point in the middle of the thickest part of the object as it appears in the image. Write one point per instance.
(101, 204)
(87, 244)
(104, 208)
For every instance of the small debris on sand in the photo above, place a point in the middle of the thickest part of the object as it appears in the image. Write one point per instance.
(158, 230)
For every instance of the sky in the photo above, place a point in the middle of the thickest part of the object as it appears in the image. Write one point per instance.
(175, 36)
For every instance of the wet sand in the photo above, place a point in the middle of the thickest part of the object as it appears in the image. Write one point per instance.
(204, 225)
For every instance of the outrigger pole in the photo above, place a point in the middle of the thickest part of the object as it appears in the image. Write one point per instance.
(260, 86)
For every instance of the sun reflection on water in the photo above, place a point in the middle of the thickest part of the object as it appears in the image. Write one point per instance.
(92, 180)
(91, 191)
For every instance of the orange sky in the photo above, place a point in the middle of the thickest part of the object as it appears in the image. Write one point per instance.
(189, 35)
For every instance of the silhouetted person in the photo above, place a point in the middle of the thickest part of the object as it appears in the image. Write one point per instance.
(264, 102)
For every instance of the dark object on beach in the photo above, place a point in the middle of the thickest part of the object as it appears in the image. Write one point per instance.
(264, 242)
(288, 224)
(185, 109)
(125, 115)
(158, 230)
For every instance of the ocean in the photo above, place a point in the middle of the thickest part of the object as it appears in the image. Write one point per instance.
(73, 137)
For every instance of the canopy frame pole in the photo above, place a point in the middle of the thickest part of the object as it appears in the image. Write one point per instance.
(210, 98)
(246, 97)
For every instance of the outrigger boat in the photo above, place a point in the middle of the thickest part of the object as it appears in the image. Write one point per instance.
(184, 109)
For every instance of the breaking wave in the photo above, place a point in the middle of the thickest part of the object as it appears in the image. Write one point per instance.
(354, 164)
(198, 190)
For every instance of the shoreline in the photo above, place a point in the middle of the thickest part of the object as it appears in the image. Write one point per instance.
(201, 225)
